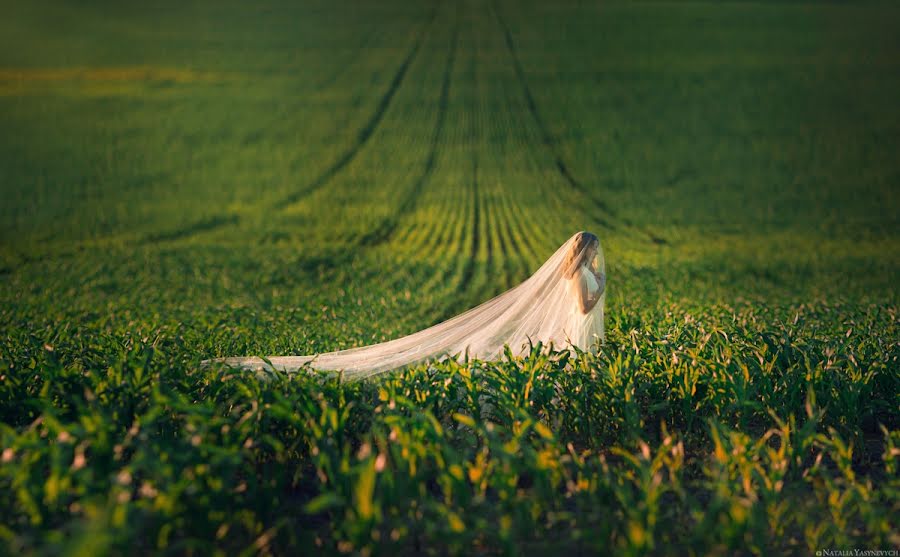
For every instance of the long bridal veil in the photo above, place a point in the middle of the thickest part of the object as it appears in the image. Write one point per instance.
(542, 308)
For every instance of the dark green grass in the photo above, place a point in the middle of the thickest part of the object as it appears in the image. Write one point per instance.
(190, 179)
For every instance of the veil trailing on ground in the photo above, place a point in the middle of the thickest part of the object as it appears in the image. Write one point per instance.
(561, 303)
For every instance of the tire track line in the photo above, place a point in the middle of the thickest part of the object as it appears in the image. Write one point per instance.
(474, 245)
(526, 244)
(439, 234)
(487, 199)
(499, 276)
(517, 258)
(216, 222)
(502, 123)
(445, 283)
(544, 131)
(474, 281)
(549, 141)
(502, 247)
(450, 281)
(433, 245)
(474, 140)
(385, 231)
(366, 132)
(524, 240)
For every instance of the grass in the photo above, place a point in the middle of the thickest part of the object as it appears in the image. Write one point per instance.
(188, 180)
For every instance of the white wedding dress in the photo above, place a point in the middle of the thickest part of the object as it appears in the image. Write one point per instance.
(586, 330)
(546, 307)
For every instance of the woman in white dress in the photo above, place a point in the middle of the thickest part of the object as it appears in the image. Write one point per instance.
(587, 286)
(561, 304)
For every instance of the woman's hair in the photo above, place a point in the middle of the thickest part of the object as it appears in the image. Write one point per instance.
(575, 258)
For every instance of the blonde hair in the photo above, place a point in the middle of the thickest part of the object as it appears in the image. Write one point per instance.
(575, 258)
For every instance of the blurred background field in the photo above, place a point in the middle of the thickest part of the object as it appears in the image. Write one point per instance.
(183, 180)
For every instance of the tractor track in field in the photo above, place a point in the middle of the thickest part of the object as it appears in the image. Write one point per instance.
(500, 246)
(386, 229)
(366, 132)
(512, 249)
(216, 222)
(481, 217)
(526, 248)
(549, 141)
(474, 137)
(501, 241)
(489, 242)
(475, 244)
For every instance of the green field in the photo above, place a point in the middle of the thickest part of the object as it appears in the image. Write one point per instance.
(192, 179)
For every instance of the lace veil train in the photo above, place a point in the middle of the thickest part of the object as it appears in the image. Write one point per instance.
(542, 308)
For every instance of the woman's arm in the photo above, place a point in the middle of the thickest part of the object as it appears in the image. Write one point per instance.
(586, 299)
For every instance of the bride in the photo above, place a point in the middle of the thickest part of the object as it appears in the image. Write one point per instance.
(561, 303)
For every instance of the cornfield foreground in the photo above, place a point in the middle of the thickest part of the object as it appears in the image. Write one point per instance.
(186, 180)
